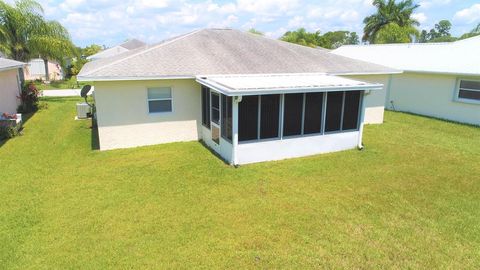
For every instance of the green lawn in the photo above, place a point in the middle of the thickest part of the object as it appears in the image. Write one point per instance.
(61, 84)
(411, 199)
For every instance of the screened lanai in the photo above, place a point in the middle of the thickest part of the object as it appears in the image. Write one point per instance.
(254, 118)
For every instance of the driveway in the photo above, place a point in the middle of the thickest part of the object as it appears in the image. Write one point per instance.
(62, 93)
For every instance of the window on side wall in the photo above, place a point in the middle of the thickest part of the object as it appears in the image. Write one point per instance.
(469, 90)
(160, 100)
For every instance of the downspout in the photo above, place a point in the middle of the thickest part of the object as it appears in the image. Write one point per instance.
(362, 119)
(389, 102)
(235, 100)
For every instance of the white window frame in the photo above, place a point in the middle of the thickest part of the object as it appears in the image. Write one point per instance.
(457, 91)
(159, 99)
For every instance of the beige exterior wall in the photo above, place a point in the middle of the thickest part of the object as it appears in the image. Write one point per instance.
(124, 120)
(9, 90)
(431, 95)
(375, 101)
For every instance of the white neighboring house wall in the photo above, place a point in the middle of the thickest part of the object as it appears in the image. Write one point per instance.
(35, 69)
(124, 120)
(432, 71)
(9, 91)
(432, 95)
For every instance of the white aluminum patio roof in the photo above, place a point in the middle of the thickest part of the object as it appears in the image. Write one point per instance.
(243, 85)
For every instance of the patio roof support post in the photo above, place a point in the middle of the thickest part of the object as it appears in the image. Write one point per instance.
(362, 119)
(235, 101)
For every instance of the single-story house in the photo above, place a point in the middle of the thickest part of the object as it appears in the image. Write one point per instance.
(248, 97)
(440, 79)
(128, 45)
(10, 85)
(35, 70)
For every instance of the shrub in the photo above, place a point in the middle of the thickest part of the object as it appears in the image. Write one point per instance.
(8, 129)
(29, 98)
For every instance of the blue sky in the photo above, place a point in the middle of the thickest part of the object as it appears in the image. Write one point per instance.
(108, 22)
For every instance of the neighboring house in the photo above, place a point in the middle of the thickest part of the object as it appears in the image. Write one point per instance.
(35, 70)
(440, 79)
(9, 85)
(249, 98)
(129, 45)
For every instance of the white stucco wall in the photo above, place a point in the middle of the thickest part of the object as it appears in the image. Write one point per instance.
(431, 95)
(375, 101)
(296, 147)
(124, 120)
(9, 90)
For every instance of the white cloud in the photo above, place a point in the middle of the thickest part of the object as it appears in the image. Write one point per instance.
(468, 15)
(432, 3)
(420, 17)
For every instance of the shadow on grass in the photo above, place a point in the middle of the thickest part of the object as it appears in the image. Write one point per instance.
(25, 118)
(436, 118)
(215, 153)
(95, 142)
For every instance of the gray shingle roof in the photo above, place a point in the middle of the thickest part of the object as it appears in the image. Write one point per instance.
(133, 44)
(10, 64)
(223, 51)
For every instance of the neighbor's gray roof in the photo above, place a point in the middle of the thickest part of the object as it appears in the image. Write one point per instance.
(223, 51)
(10, 64)
(133, 44)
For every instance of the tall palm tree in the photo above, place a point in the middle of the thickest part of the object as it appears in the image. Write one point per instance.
(390, 12)
(24, 33)
(51, 42)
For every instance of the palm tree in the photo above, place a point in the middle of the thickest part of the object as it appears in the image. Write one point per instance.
(390, 12)
(52, 42)
(24, 34)
(302, 37)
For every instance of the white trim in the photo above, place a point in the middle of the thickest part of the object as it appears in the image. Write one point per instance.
(396, 71)
(234, 131)
(362, 119)
(290, 90)
(127, 78)
(324, 113)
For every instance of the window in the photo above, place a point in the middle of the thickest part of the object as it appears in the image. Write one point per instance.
(292, 117)
(159, 99)
(206, 106)
(313, 113)
(350, 111)
(248, 118)
(469, 90)
(227, 117)
(215, 108)
(269, 116)
(334, 111)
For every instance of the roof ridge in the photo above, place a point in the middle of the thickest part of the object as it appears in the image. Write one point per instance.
(144, 51)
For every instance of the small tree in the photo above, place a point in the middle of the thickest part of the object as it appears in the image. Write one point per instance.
(255, 31)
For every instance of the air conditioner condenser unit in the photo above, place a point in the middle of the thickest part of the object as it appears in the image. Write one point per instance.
(83, 110)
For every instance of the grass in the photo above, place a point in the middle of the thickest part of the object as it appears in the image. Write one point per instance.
(71, 83)
(411, 199)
